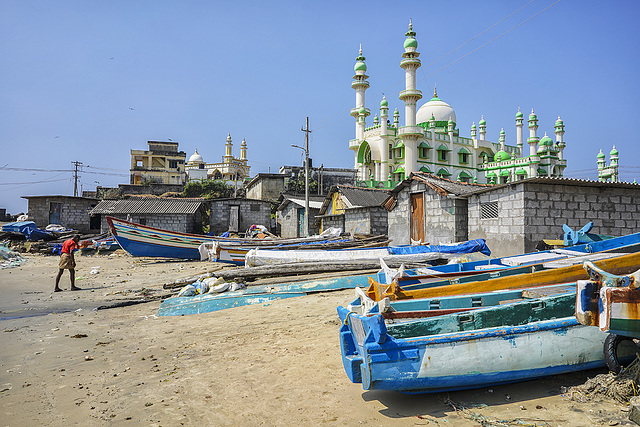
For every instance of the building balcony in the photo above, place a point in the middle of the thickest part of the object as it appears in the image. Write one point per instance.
(355, 112)
(354, 144)
(414, 94)
(405, 131)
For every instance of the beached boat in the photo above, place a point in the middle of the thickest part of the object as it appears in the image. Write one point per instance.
(624, 244)
(142, 240)
(419, 253)
(496, 345)
(257, 294)
(617, 264)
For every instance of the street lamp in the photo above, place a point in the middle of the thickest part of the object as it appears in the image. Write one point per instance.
(306, 177)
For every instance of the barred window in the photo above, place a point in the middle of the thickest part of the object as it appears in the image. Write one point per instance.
(489, 210)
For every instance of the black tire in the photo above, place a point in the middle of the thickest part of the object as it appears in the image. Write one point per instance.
(611, 351)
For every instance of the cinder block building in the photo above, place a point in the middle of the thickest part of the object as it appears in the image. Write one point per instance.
(238, 215)
(68, 211)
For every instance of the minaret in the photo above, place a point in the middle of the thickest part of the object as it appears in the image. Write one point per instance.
(432, 126)
(614, 164)
(384, 149)
(450, 128)
(482, 125)
(520, 132)
(243, 150)
(601, 164)
(396, 119)
(474, 135)
(360, 84)
(228, 145)
(410, 96)
(501, 140)
(533, 134)
(559, 130)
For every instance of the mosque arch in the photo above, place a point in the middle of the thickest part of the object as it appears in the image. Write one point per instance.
(364, 153)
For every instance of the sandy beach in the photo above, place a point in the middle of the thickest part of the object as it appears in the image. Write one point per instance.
(65, 363)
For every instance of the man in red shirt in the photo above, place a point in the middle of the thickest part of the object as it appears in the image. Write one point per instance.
(68, 262)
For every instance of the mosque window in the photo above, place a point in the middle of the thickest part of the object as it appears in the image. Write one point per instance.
(390, 152)
(442, 155)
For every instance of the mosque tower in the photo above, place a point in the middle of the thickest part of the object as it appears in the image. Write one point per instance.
(360, 113)
(410, 96)
(228, 146)
(243, 151)
(533, 143)
(382, 171)
(520, 132)
(559, 131)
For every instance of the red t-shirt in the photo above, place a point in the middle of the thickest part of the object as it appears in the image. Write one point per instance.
(69, 246)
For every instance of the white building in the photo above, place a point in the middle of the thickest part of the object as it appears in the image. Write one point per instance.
(230, 169)
(386, 152)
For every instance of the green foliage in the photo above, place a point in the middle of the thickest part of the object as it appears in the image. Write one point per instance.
(210, 189)
(296, 185)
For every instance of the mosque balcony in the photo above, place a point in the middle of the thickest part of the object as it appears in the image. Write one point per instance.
(355, 112)
(405, 131)
(410, 63)
(357, 84)
(354, 144)
(410, 94)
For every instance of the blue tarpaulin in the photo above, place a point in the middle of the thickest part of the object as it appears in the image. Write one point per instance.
(18, 227)
(476, 245)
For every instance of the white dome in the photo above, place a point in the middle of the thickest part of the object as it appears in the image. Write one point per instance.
(196, 158)
(438, 108)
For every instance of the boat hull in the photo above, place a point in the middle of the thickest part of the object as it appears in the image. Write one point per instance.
(466, 360)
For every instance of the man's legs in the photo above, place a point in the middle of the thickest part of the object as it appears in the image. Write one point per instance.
(73, 280)
(57, 288)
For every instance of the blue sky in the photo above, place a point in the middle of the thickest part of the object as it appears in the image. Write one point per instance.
(88, 81)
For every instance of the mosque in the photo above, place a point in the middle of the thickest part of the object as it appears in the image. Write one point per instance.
(429, 140)
(230, 169)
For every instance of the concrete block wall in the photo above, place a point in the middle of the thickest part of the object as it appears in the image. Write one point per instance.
(181, 223)
(251, 212)
(368, 220)
(336, 221)
(504, 234)
(289, 221)
(445, 219)
(399, 220)
(74, 212)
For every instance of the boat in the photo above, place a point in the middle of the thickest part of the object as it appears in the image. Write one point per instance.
(495, 345)
(418, 253)
(235, 253)
(401, 310)
(629, 243)
(257, 294)
(615, 263)
(142, 240)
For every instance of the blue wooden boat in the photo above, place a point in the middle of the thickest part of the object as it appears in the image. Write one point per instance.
(496, 345)
(258, 294)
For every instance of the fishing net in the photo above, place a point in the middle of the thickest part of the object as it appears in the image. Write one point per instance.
(619, 388)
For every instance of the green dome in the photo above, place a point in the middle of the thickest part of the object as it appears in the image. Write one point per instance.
(546, 141)
(614, 152)
(519, 115)
(559, 122)
(362, 111)
(533, 116)
(360, 66)
(410, 42)
(450, 120)
(601, 155)
(500, 156)
(482, 122)
(384, 102)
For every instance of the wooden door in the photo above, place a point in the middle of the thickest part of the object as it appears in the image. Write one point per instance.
(417, 218)
(234, 218)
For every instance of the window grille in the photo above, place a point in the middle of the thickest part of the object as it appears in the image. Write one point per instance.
(489, 210)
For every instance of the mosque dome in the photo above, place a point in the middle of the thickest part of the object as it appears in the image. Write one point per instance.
(546, 141)
(519, 114)
(601, 155)
(410, 42)
(500, 156)
(196, 158)
(482, 122)
(384, 102)
(438, 108)
(360, 66)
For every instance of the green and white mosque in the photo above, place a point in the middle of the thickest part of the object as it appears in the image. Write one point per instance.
(386, 152)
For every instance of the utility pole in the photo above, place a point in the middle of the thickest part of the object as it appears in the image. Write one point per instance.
(306, 177)
(75, 178)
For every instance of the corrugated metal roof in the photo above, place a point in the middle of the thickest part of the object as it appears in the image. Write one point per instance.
(147, 206)
(359, 197)
(442, 186)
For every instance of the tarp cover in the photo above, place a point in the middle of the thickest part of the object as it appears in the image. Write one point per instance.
(476, 245)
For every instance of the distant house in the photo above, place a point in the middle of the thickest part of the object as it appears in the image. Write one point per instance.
(182, 215)
(162, 163)
(68, 211)
(238, 215)
(356, 210)
(266, 186)
(290, 214)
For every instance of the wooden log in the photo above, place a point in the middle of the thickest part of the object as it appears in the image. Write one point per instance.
(301, 268)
